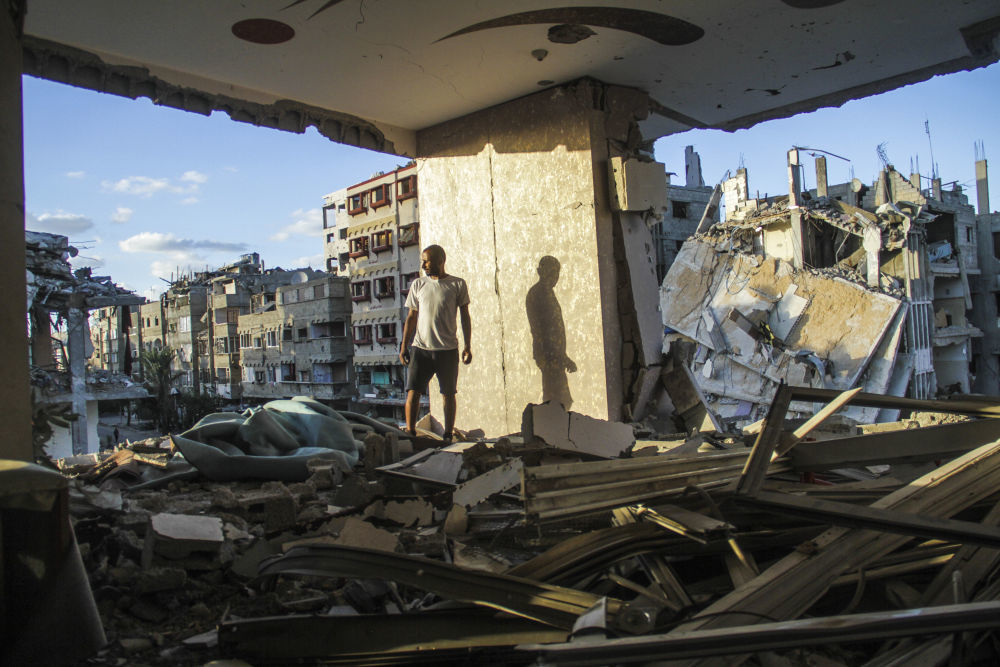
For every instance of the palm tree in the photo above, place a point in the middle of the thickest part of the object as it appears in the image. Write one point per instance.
(159, 379)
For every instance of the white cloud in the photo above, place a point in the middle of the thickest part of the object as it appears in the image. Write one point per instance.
(230, 169)
(142, 186)
(146, 186)
(315, 261)
(59, 222)
(308, 222)
(194, 177)
(156, 242)
(75, 174)
(187, 201)
(121, 215)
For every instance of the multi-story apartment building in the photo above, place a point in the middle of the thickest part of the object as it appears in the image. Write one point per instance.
(986, 290)
(109, 335)
(184, 306)
(299, 343)
(382, 258)
(335, 223)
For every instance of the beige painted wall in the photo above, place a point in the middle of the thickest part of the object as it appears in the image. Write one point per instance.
(500, 190)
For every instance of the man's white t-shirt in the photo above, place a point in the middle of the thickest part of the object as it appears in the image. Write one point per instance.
(437, 303)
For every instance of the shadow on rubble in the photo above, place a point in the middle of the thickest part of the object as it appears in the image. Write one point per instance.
(548, 333)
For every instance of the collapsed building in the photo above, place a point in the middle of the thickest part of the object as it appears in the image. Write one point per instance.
(840, 287)
(62, 383)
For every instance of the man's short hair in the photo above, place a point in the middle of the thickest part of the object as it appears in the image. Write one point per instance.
(436, 251)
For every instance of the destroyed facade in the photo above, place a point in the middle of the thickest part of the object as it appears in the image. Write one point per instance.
(840, 286)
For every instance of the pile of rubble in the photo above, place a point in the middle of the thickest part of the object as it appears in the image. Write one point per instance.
(576, 541)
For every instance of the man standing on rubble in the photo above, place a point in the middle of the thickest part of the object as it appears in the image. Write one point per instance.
(430, 336)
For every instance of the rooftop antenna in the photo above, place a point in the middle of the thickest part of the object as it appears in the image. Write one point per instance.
(883, 156)
(927, 129)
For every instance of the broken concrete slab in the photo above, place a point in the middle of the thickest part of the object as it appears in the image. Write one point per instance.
(176, 536)
(497, 480)
(359, 533)
(571, 431)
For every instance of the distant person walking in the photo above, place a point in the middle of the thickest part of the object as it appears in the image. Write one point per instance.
(117, 435)
(430, 337)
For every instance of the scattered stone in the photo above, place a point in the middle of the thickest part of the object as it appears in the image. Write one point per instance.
(360, 533)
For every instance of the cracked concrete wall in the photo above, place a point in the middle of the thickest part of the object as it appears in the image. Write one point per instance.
(518, 197)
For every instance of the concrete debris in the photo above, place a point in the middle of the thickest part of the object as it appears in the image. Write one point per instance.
(636, 532)
(553, 425)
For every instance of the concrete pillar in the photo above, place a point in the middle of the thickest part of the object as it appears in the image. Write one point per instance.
(518, 196)
(76, 335)
(821, 181)
(936, 189)
(794, 195)
(915, 180)
(15, 427)
(982, 188)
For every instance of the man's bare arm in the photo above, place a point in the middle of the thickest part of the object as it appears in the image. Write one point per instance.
(409, 329)
(466, 333)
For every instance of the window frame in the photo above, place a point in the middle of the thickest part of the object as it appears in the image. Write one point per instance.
(382, 192)
(365, 330)
(411, 181)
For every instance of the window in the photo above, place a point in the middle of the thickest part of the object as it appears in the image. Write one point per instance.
(288, 372)
(258, 342)
(356, 204)
(338, 329)
(319, 291)
(382, 240)
(331, 237)
(679, 209)
(232, 315)
(409, 235)
(407, 280)
(322, 373)
(304, 376)
(406, 188)
(245, 340)
(272, 338)
(358, 246)
(156, 321)
(385, 287)
(379, 196)
(286, 334)
(363, 334)
(331, 264)
(222, 345)
(272, 374)
(301, 333)
(387, 333)
(361, 291)
(184, 323)
(343, 233)
(258, 376)
(222, 374)
(968, 234)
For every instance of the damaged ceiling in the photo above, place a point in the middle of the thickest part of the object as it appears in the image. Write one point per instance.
(372, 74)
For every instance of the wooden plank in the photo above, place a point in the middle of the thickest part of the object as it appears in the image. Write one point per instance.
(988, 406)
(760, 458)
(859, 516)
(793, 584)
(931, 443)
(814, 421)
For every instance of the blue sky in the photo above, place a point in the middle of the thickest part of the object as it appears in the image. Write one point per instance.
(142, 189)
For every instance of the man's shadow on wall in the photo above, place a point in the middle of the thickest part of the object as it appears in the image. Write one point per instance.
(548, 333)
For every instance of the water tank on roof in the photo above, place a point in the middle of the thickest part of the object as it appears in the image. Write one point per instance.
(300, 277)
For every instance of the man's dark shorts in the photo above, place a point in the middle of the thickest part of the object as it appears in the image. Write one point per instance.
(426, 363)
